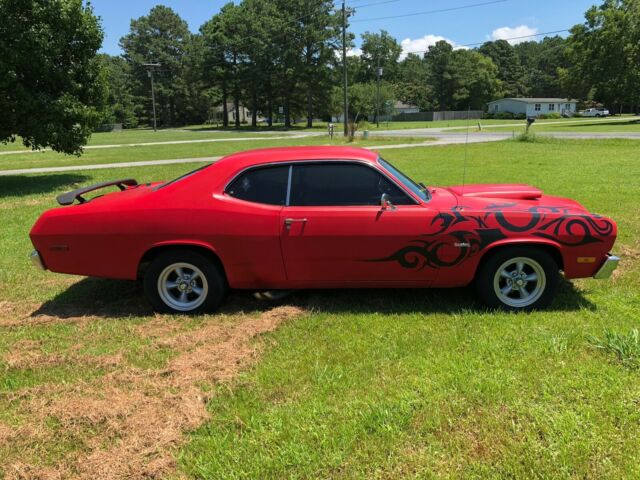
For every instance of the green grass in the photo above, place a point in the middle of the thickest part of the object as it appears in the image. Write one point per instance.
(144, 135)
(174, 151)
(374, 384)
(599, 125)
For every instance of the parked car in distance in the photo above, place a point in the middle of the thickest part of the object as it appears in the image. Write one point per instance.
(595, 112)
(322, 217)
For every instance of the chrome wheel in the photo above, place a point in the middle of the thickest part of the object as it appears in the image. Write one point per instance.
(519, 282)
(182, 286)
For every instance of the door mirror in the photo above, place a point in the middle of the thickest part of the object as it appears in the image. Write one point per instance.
(385, 202)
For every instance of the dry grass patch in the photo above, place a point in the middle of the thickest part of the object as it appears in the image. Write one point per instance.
(129, 421)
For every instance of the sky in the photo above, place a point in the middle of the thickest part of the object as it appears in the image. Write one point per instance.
(461, 22)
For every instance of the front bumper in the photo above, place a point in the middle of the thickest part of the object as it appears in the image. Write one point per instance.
(607, 268)
(37, 260)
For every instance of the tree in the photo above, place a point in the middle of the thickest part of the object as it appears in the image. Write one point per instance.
(160, 37)
(439, 74)
(605, 55)
(542, 63)
(362, 100)
(461, 78)
(474, 80)
(379, 49)
(510, 70)
(51, 83)
(411, 85)
(121, 106)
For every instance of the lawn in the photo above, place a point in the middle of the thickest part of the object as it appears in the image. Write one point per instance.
(144, 135)
(329, 384)
(322, 126)
(133, 153)
(628, 124)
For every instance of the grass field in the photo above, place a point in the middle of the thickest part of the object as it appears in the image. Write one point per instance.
(603, 125)
(329, 384)
(322, 126)
(143, 135)
(175, 151)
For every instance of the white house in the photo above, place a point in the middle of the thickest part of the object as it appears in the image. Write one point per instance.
(532, 107)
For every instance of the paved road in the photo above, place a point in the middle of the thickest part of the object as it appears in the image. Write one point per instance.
(441, 138)
(178, 142)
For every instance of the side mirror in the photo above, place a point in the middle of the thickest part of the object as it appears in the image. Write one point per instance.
(385, 203)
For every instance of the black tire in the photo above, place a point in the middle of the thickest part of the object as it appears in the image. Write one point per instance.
(523, 293)
(210, 280)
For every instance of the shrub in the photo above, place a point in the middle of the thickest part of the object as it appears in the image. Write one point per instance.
(549, 116)
(626, 348)
(503, 116)
(528, 137)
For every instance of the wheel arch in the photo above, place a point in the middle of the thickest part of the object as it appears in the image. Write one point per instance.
(202, 248)
(552, 248)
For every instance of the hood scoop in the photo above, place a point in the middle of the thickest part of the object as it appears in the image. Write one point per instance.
(511, 191)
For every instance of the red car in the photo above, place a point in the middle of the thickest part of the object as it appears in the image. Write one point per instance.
(322, 217)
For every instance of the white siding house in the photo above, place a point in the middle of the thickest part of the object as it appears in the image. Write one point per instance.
(532, 107)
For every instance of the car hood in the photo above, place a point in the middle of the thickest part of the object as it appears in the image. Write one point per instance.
(513, 197)
(510, 191)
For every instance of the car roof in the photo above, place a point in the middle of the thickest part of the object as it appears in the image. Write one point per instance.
(294, 154)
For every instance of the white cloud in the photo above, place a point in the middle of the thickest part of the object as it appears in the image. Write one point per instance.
(354, 52)
(505, 33)
(420, 45)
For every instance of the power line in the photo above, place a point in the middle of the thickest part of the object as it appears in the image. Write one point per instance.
(429, 12)
(366, 5)
(510, 38)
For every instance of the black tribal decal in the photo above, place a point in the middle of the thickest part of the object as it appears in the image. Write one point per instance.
(567, 229)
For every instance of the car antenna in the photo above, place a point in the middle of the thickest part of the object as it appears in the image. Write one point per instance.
(466, 152)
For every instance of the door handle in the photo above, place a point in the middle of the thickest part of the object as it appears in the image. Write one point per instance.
(289, 221)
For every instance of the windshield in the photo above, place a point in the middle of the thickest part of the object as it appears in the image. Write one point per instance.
(182, 177)
(419, 189)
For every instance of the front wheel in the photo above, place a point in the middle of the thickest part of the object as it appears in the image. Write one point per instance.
(518, 279)
(183, 281)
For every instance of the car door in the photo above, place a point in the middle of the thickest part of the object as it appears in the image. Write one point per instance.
(247, 229)
(334, 231)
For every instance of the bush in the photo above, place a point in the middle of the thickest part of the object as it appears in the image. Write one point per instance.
(504, 116)
(577, 115)
(549, 116)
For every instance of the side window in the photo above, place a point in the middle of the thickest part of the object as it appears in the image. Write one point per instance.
(262, 185)
(342, 184)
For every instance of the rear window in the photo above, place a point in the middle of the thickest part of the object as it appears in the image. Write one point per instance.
(266, 185)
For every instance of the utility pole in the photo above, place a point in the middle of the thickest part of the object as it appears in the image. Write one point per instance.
(151, 66)
(379, 74)
(344, 70)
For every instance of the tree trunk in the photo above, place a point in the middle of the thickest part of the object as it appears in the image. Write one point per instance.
(225, 113)
(269, 104)
(236, 109)
(287, 115)
(254, 111)
(309, 108)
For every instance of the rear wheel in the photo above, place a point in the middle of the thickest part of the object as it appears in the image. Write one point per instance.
(518, 278)
(183, 281)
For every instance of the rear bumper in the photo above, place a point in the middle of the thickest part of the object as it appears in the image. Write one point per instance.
(607, 268)
(37, 260)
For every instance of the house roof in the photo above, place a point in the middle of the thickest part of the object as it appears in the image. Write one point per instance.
(537, 100)
(399, 104)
